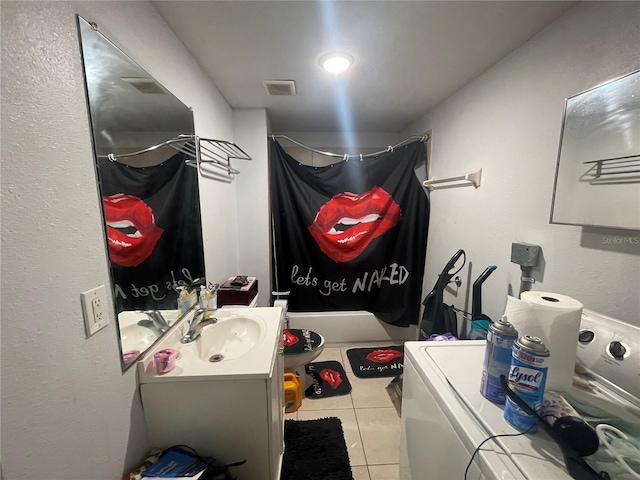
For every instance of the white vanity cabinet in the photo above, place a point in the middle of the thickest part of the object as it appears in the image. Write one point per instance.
(232, 414)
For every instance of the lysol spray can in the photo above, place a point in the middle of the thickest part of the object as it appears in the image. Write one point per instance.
(527, 378)
(497, 359)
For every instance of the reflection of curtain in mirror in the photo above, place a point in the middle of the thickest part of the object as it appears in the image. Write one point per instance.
(154, 231)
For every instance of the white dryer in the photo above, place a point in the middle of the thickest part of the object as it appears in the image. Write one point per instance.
(444, 416)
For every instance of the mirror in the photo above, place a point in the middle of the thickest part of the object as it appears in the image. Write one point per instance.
(150, 200)
(598, 170)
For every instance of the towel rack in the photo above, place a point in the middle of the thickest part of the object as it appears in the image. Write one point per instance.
(616, 166)
(200, 151)
(471, 179)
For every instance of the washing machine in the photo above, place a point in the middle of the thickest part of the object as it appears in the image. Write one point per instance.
(444, 416)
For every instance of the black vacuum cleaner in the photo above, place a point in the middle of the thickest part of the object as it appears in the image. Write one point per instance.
(437, 317)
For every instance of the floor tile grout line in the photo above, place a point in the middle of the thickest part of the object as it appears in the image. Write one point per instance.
(326, 409)
(361, 438)
(364, 452)
(367, 408)
(350, 396)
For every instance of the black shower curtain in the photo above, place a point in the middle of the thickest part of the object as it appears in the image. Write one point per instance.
(154, 231)
(353, 235)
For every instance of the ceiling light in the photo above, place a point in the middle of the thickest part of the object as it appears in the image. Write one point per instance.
(336, 62)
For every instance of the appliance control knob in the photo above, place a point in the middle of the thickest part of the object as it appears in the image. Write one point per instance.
(586, 336)
(617, 350)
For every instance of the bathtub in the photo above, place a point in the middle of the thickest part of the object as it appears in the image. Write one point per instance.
(351, 327)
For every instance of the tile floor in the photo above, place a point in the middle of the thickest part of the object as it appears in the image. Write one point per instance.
(370, 422)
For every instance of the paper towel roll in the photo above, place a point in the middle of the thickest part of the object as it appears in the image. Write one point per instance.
(555, 319)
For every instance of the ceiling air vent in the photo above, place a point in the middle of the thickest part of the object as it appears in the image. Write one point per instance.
(280, 87)
(144, 85)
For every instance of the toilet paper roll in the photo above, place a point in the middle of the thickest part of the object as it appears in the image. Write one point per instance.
(555, 319)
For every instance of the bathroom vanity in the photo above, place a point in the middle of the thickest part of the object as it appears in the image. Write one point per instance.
(231, 408)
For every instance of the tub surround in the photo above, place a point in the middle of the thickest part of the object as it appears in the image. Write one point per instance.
(350, 327)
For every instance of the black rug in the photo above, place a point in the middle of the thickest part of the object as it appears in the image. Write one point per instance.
(328, 380)
(315, 450)
(376, 362)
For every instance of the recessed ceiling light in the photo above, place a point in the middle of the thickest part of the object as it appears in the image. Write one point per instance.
(336, 62)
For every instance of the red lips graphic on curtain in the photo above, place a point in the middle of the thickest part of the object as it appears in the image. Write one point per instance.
(131, 230)
(384, 356)
(348, 223)
(331, 377)
(289, 338)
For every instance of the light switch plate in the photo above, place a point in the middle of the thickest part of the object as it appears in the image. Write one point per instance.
(94, 308)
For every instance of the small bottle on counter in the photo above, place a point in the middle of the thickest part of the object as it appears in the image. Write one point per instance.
(186, 300)
(207, 297)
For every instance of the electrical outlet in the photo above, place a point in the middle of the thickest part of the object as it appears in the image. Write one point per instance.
(94, 309)
(96, 306)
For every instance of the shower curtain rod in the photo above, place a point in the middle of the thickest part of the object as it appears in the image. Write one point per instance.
(346, 156)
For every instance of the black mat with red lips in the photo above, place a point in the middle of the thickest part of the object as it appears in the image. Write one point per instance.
(328, 380)
(376, 362)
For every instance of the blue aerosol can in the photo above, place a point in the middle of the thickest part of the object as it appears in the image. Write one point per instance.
(497, 359)
(527, 378)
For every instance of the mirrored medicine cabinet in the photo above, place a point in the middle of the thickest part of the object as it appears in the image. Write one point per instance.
(598, 171)
(149, 196)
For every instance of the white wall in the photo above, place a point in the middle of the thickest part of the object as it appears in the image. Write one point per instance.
(508, 121)
(67, 410)
(250, 129)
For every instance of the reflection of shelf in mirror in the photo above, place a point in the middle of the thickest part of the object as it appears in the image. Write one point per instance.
(614, 166)
(201, 151)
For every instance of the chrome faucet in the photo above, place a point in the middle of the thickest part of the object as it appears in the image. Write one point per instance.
(156, 318)
(197, 323)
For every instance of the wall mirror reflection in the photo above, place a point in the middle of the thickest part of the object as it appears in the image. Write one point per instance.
(149, 192)
(598, 171)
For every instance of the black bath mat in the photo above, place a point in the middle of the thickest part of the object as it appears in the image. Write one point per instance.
(315, 450)
(376, 362)
(328, 379)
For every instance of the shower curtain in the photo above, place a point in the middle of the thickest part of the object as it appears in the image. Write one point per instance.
(154, 231)
(351, 236)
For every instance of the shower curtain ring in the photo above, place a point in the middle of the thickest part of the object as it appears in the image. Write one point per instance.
(360, 157)
(389, 148)
(111, 157)
(346, 157)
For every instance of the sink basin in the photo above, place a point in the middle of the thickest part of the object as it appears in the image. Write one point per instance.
(228, 339)
(241, 345)
(136, 337)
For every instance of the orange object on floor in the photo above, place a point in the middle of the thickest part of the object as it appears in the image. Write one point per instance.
(292, 392)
